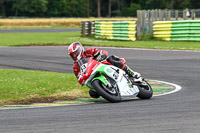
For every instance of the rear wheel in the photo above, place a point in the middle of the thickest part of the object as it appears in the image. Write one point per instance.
(145, 90)
(110, 94)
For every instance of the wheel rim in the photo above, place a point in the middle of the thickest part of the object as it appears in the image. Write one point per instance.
(111, 91)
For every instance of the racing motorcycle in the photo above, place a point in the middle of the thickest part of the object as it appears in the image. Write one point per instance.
(112, 83)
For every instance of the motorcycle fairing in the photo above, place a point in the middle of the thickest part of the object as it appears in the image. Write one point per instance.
(125, 87)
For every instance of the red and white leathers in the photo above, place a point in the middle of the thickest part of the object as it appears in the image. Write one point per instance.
(76, 52)
(91, 52)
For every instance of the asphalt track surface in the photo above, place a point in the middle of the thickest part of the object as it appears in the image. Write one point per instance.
(175, 113)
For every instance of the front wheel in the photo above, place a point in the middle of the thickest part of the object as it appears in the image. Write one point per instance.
(145, 91)
(110, 94)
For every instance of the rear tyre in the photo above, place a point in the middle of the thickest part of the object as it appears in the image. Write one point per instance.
(145, 91)
(110, 94)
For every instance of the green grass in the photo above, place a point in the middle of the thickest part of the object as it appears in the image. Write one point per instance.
(21, 86)
(65, 38)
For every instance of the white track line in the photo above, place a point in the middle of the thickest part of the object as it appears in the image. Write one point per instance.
(177, 88)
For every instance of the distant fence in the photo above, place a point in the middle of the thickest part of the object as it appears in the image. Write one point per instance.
(118, 30)
(133, 30)
(145, 18)
(188, 30)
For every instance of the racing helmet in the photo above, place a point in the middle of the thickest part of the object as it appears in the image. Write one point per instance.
(75, 50)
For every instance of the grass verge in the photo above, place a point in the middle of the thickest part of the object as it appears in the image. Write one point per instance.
(25, 87)
(65, 38)
(20, 87)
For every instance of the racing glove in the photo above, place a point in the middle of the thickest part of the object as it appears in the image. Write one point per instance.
(101, 57)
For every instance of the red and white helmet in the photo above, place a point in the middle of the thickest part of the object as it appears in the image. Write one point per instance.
(76, 51)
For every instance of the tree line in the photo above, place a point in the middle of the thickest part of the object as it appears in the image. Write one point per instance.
(87, 8)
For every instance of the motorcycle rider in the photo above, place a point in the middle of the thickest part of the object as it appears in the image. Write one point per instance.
(76, 52)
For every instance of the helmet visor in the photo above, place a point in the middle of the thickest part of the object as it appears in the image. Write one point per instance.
(75, 54)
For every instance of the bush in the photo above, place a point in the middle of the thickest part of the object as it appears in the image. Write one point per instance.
(131, 11)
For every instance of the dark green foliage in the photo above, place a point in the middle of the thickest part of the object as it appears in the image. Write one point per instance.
(86, 8)
(133, 9)
(29, 8)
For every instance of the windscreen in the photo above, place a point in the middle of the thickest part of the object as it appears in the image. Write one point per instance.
(83, 61)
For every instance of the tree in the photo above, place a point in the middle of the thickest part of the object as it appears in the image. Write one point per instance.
(17, 5)
(31, 8)
(133, 9)
(2, 8)
(59, 8)
(118, 3)
(78, 8)
(88, 8)
(109, 8)
(99, 8)
(195, 3)
(116, 8)
(182, 4)
(5, 8)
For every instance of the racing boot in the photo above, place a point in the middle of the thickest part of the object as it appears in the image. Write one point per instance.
(131, 73)
(115, 60)
(93, 94)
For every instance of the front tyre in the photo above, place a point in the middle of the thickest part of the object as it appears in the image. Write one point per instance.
(110, 94)
(145, 91)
